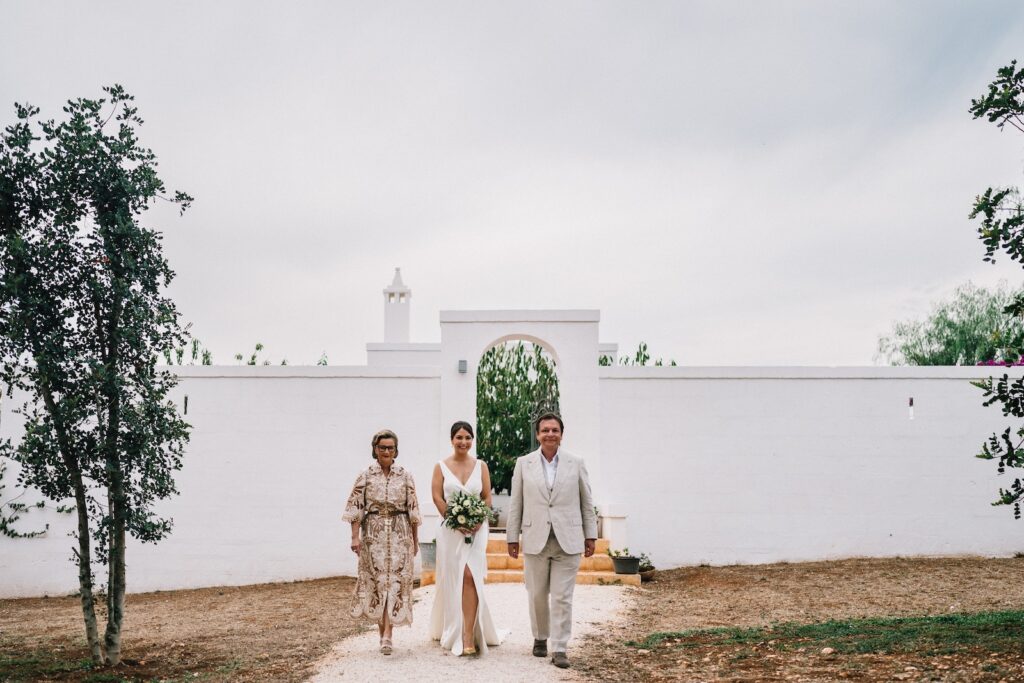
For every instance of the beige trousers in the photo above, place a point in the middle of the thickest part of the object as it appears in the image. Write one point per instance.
(550, 579)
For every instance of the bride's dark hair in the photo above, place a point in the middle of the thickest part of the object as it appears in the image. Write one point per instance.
(461, 425)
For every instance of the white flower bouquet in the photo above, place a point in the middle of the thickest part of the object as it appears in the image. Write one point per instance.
(466, 511)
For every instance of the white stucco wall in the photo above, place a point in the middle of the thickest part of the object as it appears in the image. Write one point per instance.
(716, 465)
(273, 455)
(749, 465)
(402, 355)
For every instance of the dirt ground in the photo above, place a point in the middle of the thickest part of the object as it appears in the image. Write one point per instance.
(706, 597)
(271, 632)
(275, 632)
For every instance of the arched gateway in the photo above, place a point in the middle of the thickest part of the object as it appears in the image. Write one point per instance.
(569, 336)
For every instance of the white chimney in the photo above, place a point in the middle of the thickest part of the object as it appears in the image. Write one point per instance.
(396, 310)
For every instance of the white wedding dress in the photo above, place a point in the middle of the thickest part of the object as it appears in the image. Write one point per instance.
(453, 556)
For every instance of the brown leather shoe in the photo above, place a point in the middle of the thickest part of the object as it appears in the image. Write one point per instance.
(540, 648)
(560, 660)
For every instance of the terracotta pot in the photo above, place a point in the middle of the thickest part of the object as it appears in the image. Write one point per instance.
(646, 576)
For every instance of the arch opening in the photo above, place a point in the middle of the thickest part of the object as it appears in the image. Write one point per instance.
(517, 381)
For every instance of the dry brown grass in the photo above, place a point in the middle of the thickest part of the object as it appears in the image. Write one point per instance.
(708, 597)
(270, 632)
(276, 632)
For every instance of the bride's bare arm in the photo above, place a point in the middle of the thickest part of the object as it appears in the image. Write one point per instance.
(437, 490)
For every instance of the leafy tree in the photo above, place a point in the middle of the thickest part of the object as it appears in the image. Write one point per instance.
(969, 328)
(1002, 229)
(515, 384)
(83, 320)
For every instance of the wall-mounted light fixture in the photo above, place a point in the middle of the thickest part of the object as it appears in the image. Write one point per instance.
(462, 367)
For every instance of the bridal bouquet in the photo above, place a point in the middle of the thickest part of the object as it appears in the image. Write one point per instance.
(465, 511)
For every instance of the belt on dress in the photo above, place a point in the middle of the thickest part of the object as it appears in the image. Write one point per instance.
(387, 513)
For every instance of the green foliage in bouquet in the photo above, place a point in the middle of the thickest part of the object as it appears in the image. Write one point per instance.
(466, 511)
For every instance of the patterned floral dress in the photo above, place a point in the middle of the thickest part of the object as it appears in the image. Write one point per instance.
(387, 508)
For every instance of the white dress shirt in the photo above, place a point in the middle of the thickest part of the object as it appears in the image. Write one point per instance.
(550, 469)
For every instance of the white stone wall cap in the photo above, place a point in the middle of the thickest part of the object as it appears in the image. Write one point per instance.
(523, 316)
(965, 372)
(403, 346)
(303, 371)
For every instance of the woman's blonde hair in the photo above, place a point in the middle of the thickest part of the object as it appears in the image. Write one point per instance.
(383, 434)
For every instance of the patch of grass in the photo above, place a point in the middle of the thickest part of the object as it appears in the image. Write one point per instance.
(231, 667)
(30, 667)
(103, 678)
(945, 634)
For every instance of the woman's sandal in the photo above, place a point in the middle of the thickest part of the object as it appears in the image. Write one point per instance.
(385, 646)
(469, 652)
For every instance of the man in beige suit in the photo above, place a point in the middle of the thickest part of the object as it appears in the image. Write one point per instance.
(551, 505)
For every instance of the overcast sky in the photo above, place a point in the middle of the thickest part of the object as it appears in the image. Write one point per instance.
(745, 183)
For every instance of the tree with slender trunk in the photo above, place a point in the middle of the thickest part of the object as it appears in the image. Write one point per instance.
(83, 319)
(1001, 214)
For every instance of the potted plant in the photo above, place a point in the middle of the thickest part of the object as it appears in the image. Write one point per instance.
(646, 568)
(495, 518)
(428, 554)
(624, 561)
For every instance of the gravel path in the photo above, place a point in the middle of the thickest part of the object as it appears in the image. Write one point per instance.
(418, 658)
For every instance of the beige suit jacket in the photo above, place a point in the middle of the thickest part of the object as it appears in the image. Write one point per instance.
(534, 510)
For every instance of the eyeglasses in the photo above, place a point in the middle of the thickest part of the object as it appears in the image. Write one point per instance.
(387, 449)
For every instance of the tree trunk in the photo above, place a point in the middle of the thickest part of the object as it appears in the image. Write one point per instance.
(118, 510)
(92, 634)
(84, 552)
(115, 593)
(116, 498)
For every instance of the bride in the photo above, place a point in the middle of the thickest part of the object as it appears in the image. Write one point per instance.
(460, 618)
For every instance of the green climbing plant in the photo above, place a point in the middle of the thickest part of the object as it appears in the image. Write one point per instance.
(515, 383)
(642, 357)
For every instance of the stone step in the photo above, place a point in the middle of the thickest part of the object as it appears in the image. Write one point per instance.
(598, 569)
(503, 561)
(601, 563)
(601, 578)
(496, 544)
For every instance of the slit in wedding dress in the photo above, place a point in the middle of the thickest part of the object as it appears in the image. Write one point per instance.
(467, 573)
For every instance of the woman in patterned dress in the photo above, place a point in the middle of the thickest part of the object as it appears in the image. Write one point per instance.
(385, 520)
